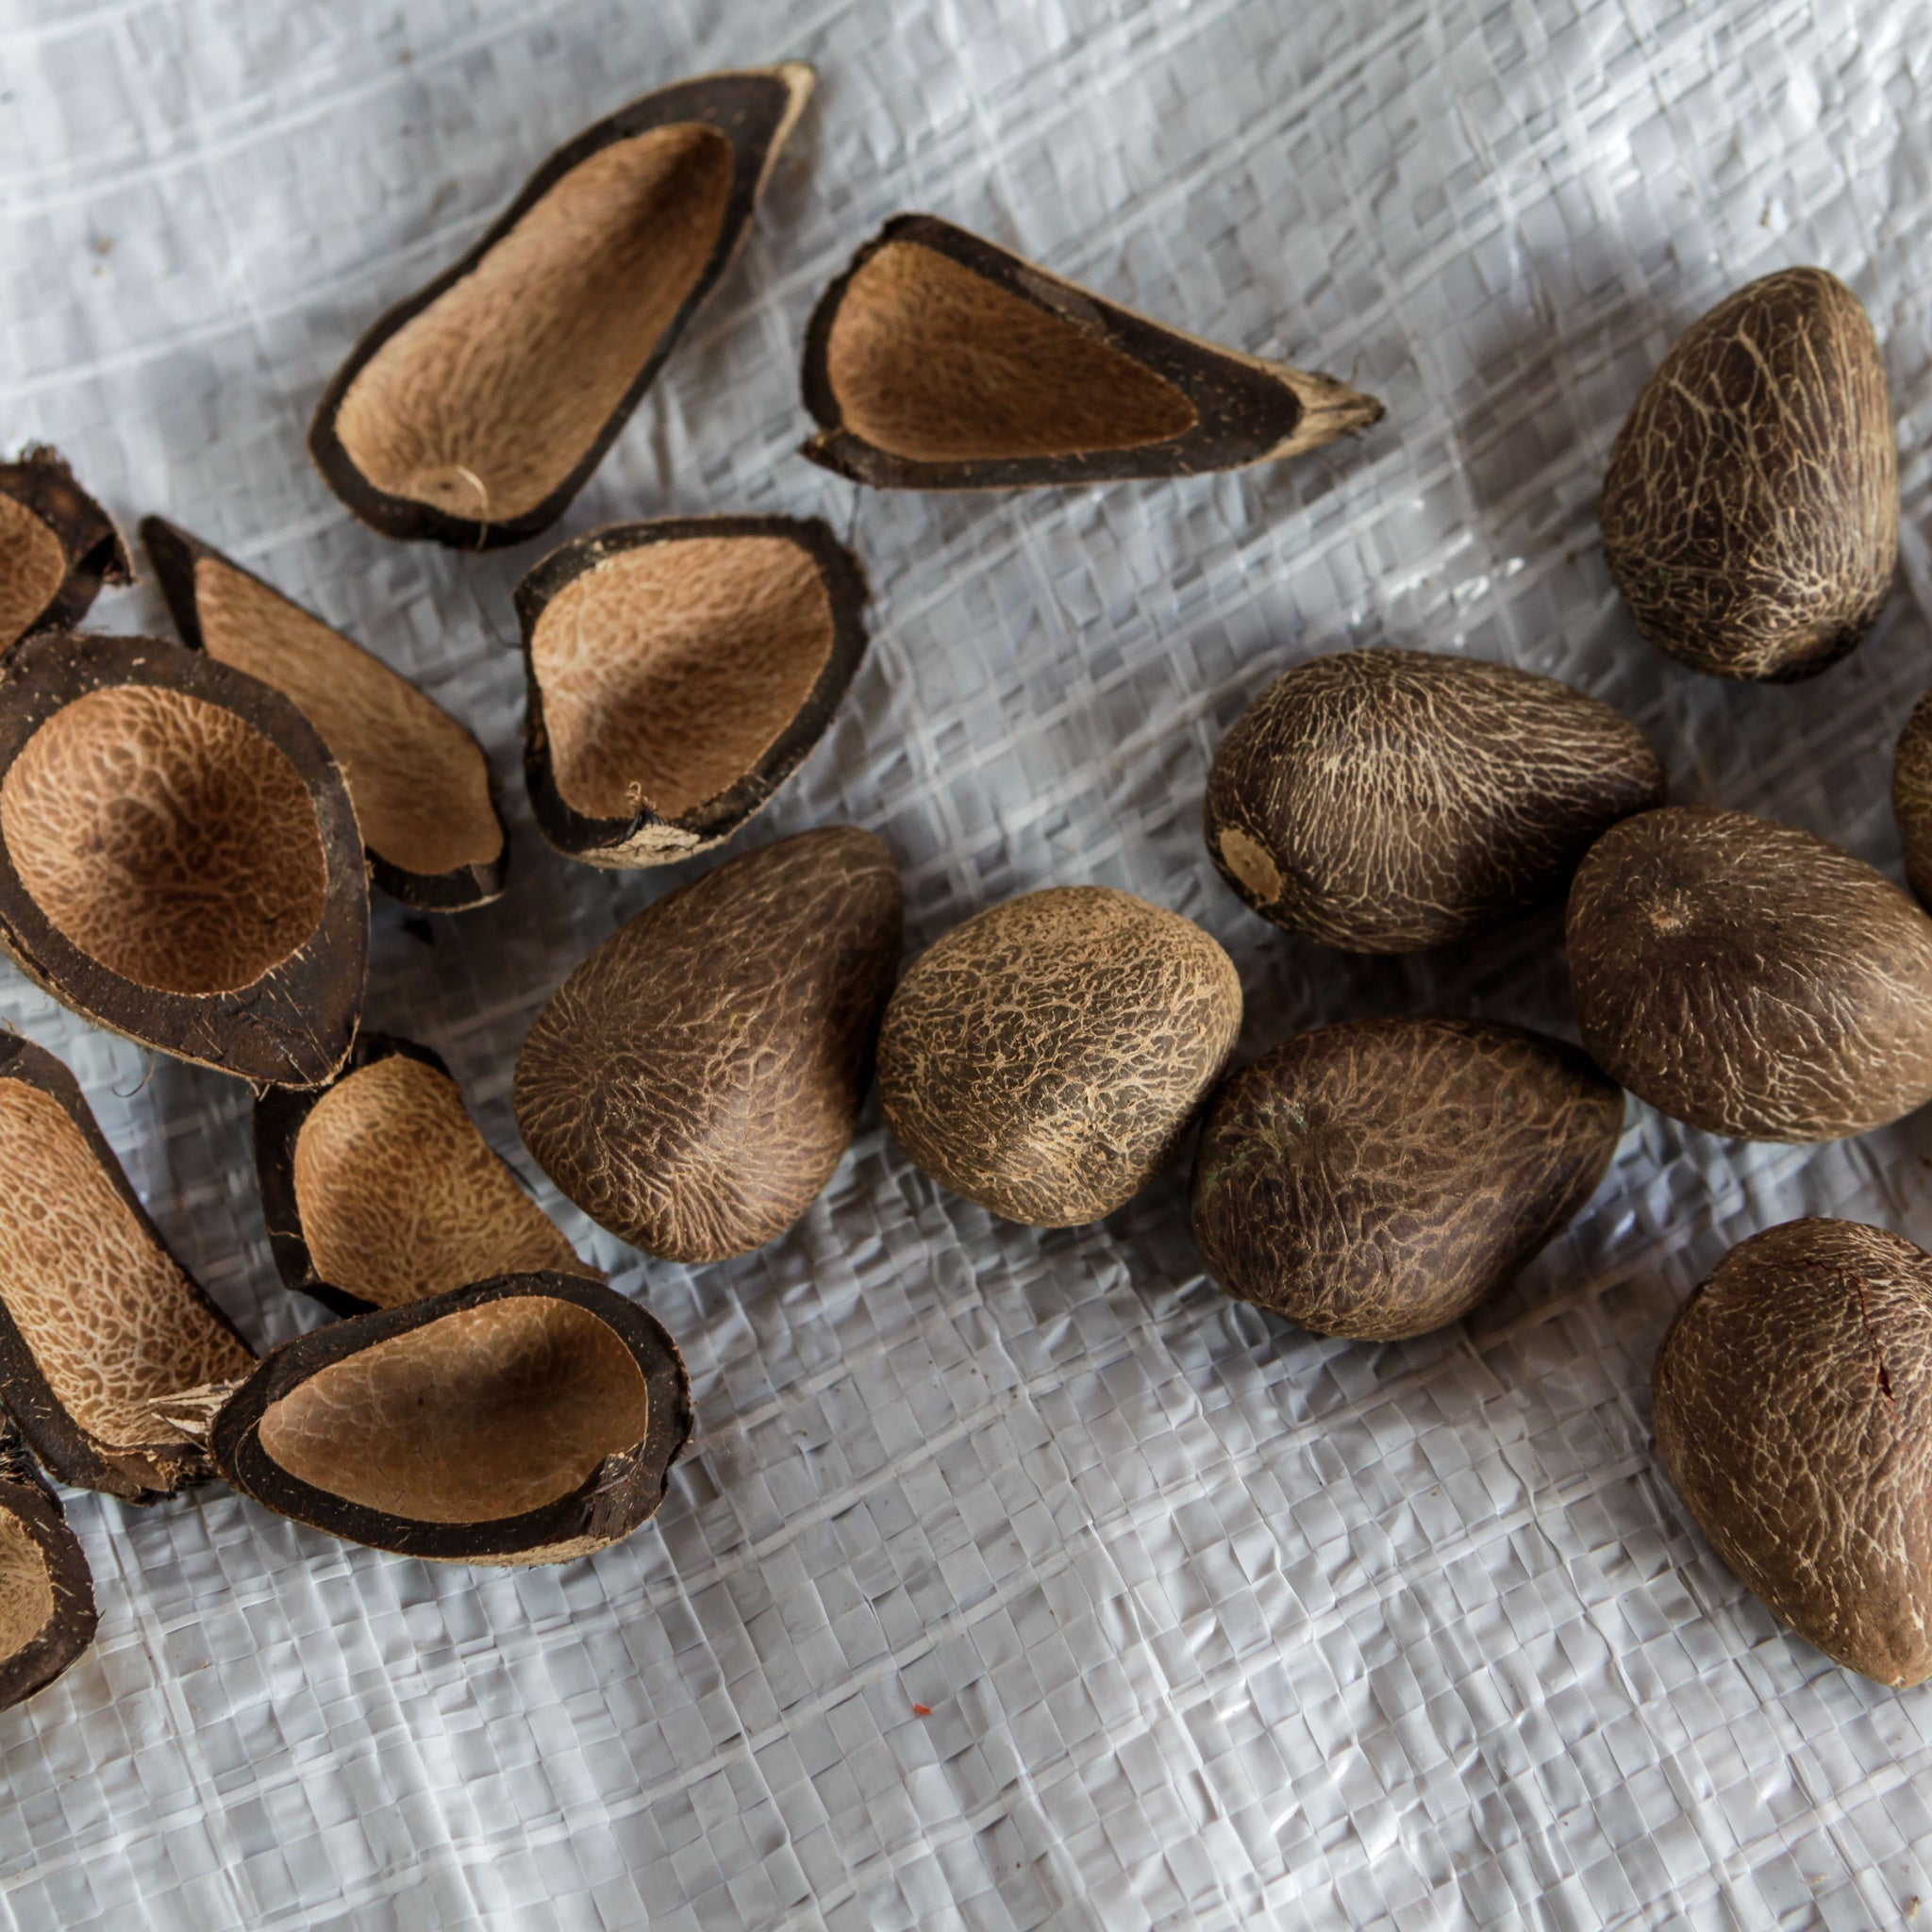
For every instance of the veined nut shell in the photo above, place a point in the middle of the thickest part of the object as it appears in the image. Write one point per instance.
(1793, 1406)
(1385, 801)
(695, 1082)
(1045, 1058)
(1382, 1177)
(1750, 511)
(1750, 978)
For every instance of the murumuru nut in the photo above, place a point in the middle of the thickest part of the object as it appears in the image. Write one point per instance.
(1385, 801)
(1045, 1058)
(1793, 1406)
(1382, 1177)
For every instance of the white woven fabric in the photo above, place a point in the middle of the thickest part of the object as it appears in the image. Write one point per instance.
(1218, 1623)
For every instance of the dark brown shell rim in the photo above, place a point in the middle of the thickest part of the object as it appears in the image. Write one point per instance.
(621, 1493)
(41, 483)
(1241, 409)
(26, 1496)
(576, 834)
(295, 1025)
(280, 1113)
(750, 109)
(173, 553)
(60, 1446)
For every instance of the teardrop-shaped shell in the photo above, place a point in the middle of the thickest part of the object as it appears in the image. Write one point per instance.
(1750, 511)
(695, 1082)
(1382, 1177)
(1793, 1406)
(1750, 978)
(1385, 801)
(1045, 1058)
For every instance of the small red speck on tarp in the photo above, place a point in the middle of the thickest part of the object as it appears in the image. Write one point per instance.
(922, 1710)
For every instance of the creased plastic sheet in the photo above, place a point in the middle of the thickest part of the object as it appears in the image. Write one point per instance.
(1218, 1623)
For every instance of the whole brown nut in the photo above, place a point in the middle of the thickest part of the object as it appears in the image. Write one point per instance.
(1385, 801)
(1750, 511)
(1793, 1404)
(1045, 1058)
(1749, 978)
(1382, 1177)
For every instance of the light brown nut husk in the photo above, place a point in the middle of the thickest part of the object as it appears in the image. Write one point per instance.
(941, 361)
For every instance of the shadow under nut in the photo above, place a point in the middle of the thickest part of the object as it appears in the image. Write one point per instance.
(1793, 1412)
(1385, 801)
(1749, 978)
(1380, 1178)
(1044, 1059)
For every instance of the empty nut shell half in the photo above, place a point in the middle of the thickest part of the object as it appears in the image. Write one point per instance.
(47, 1614)
(98, 1320)
(939, 361)
(1750, 978)
(1382, 1177)
(695, 1082)
(473, 412)
(1793, 1406)
(528, 1419)
(379, 1190)
(57, 546)
(1387, 801)
(1045, 1058)
(418, 781)
(679, 672)
(1750, 511)
(180, 860)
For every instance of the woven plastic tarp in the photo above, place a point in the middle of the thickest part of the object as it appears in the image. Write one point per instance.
(1218, 1623)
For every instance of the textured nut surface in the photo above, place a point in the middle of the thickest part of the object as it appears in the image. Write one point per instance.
(1750, 511)
(1793, 1405)
(1382, 1177)
(1045, 1058)
(1749, 978)
(400, 1196)
(1912, 796)
(693, 1084)
(166, 838)
(1384, 800)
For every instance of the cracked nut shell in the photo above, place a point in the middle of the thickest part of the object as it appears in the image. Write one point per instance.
(47, 1614)
(1750, 511)
(418, 780)
(678, 673)
(695, 1082)
(473, 412)
(1750, 978)
(98, 1320)
(57, 546)
(1385, 801)
(1380, 1178)
(378, 1189)
(532, 1419)
(180, 860)
(1045, 1058)
(1794, 1407)
(939, 361)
